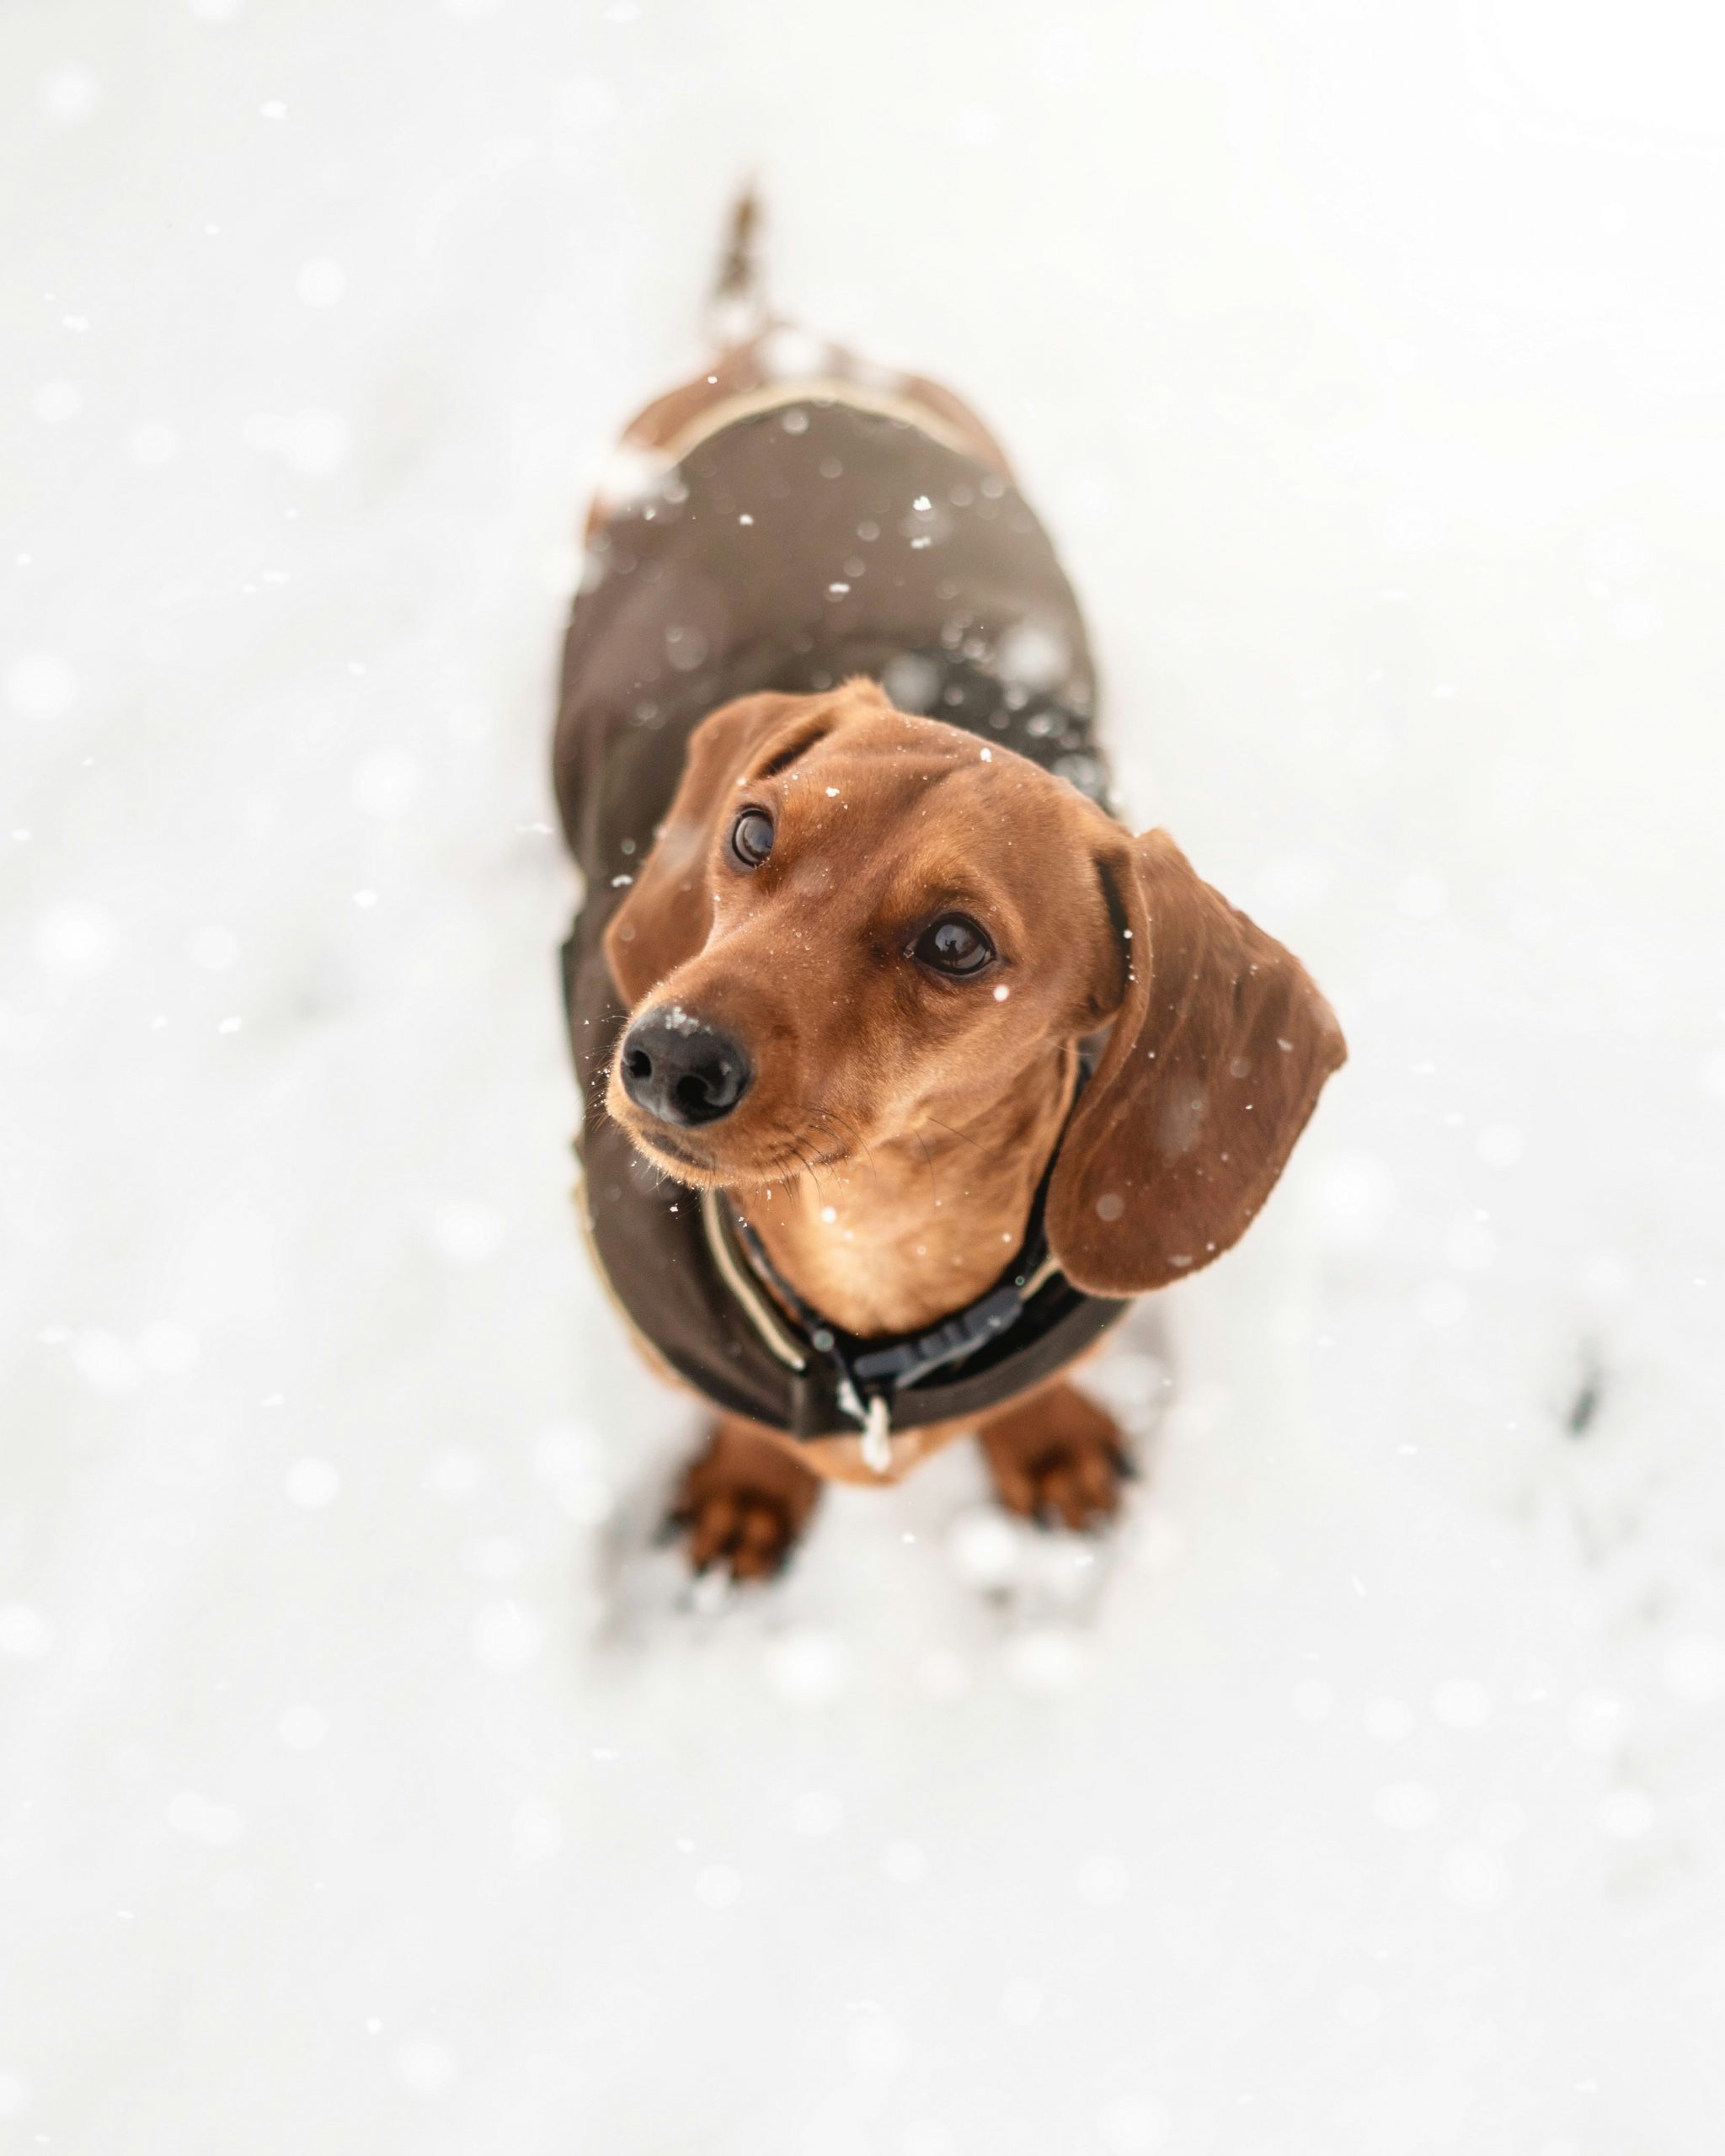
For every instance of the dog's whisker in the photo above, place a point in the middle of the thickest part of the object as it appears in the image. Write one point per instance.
(846, 1123)
(840, 1152)
(928, 1157)
(777, 1167)
(987, 1154)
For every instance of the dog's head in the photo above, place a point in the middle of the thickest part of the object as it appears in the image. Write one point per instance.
(856, 923)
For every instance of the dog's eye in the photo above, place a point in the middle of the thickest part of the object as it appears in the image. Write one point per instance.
(953, 945)
(751, 838)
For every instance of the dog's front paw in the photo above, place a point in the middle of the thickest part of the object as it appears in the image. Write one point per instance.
(1056, 1458)
(743, 1504)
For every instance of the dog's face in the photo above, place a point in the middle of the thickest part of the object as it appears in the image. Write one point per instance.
(856, 923)
(899, 919)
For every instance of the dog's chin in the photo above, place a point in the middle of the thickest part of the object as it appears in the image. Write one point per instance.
(697, 1169)
(706, 1168)
(688, 1163)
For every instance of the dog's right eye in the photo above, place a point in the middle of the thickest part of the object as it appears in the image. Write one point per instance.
(955, 946)
(751, 838)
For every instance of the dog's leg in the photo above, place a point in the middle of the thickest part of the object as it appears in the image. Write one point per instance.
(744, 1502)
(1056, 1457)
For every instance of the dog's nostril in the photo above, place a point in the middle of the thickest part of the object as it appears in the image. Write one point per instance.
(638, 1063)
(695, 1094)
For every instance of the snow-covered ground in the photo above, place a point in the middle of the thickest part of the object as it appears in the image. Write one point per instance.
(365, 1786)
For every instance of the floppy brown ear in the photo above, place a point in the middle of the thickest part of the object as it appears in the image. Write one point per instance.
(666, 918)
(1219, 1051)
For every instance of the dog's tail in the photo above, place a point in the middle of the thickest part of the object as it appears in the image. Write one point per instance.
(736, 307)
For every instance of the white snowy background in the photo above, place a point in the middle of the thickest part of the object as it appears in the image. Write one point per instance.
(366, 1782)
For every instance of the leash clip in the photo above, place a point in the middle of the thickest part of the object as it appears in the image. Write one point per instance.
(875, 1414)
(878, 1434)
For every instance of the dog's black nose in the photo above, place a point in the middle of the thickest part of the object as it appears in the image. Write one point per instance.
(681, 1070)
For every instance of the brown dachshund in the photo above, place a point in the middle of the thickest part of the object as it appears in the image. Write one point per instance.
(907, 1064)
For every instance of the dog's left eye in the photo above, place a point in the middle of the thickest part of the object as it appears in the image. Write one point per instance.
(953, 945)
(751, 838)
